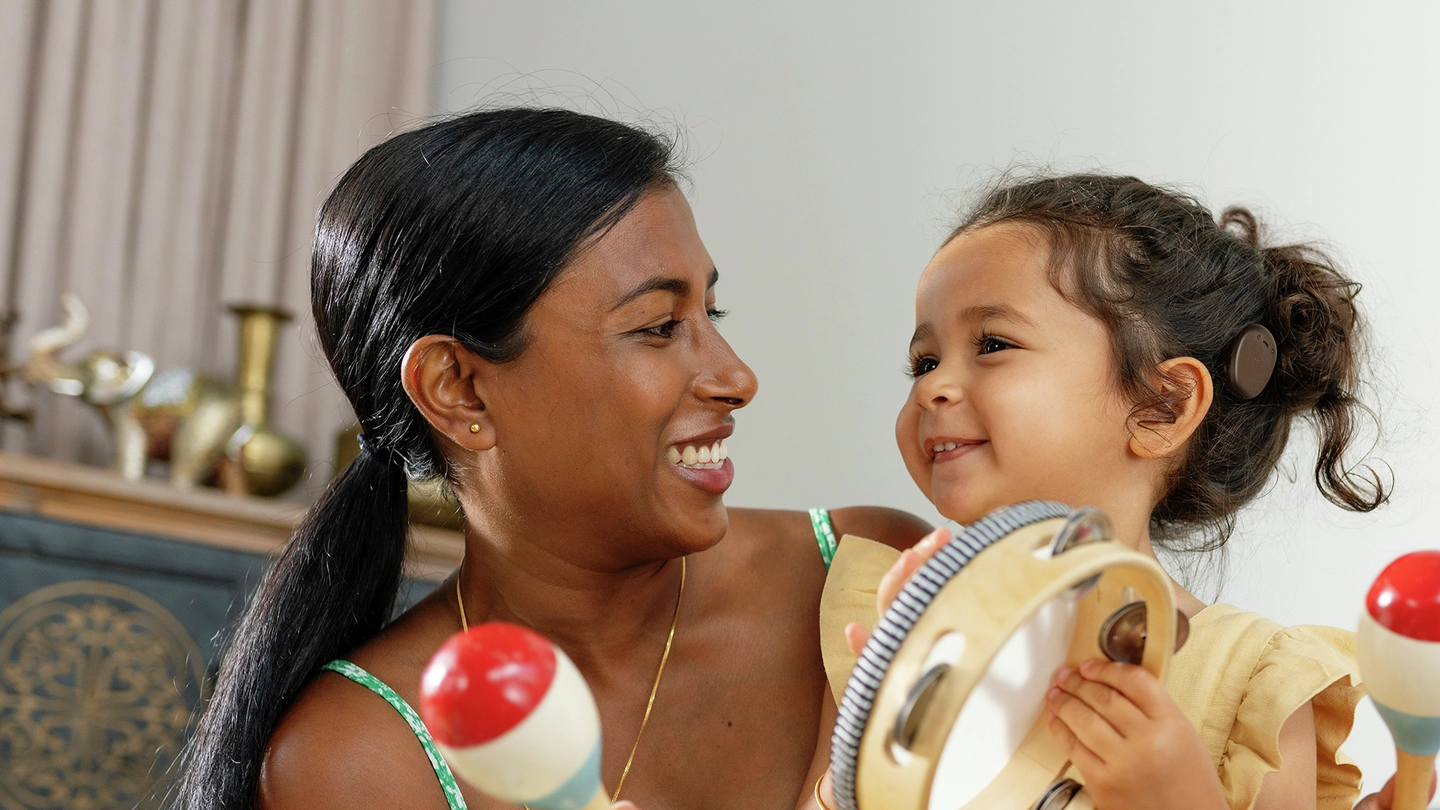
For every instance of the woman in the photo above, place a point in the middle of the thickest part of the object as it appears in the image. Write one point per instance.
(519, 300)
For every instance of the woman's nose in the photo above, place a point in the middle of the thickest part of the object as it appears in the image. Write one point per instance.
(731, 381)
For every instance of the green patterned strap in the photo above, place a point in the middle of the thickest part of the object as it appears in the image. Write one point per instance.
(374, 684)
(824, 534)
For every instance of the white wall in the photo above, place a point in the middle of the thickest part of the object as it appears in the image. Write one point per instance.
(832, 141)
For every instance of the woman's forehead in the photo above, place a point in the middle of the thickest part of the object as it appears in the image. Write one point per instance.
(655, 244)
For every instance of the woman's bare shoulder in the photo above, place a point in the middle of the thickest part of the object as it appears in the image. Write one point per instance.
(342, 746)
(893, 527)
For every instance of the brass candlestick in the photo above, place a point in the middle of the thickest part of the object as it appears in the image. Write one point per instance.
(263, 461)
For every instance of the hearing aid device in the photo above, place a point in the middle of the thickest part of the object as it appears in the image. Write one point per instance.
(1252, 361)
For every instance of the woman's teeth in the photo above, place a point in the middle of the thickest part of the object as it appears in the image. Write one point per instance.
(707, 457)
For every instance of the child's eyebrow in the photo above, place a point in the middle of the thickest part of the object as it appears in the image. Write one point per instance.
(921, 332)
(987, 312)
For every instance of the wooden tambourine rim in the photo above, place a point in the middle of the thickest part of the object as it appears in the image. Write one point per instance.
(860, 691)
(881, 680)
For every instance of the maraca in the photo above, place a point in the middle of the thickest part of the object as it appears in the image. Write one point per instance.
(513, 716)
(1398, 646)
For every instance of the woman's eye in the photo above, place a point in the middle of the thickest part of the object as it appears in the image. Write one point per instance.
(717, 314)
(989, 344)
(920, 366)
(665, 330)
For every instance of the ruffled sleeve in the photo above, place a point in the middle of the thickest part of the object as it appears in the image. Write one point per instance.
(1246, 676)
(849, 596)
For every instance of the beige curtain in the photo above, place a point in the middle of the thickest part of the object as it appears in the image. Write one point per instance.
(165, 158)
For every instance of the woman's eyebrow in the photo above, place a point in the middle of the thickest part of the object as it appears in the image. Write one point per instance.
(670, 284)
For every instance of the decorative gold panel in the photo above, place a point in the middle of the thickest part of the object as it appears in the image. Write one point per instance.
(96, 680)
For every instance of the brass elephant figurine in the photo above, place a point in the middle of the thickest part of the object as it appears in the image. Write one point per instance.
(174, 415)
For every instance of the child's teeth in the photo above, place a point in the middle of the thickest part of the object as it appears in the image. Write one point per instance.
(704, 455)
(673, 454)
(689, 456)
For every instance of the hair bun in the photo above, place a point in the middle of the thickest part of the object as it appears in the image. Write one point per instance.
(1241, 224)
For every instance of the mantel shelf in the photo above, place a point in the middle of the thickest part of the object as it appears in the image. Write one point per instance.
(98, 497)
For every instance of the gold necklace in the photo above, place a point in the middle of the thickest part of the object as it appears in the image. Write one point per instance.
(650, 704)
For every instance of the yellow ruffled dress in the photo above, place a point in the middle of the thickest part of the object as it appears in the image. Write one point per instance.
(1238, 679)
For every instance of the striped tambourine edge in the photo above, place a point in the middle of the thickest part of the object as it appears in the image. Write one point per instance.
(903, 613)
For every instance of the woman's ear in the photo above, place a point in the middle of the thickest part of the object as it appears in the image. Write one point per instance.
(445, 380)
(1185, 384)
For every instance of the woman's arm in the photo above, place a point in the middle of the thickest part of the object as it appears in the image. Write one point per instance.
(821, 764)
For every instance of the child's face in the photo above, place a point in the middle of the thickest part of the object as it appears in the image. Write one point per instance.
(1018, 379)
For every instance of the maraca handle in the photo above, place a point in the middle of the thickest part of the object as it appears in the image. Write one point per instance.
(1412, 780)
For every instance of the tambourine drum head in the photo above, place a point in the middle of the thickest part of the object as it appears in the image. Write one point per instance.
(1003, 706)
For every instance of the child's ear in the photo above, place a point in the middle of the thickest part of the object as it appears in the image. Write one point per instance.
(1186, 387)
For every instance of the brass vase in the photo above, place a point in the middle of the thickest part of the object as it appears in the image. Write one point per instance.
(263, 461)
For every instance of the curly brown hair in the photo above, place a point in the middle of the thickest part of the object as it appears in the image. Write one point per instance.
(1168, 279)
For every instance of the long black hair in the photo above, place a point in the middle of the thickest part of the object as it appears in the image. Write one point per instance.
(456, 228)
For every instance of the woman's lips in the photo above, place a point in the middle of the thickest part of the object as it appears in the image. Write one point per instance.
(713, 478)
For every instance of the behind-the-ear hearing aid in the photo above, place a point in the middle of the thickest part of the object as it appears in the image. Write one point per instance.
(1251, 362)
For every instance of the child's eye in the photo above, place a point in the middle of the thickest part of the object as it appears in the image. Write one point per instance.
(989, 344)
(920, 366)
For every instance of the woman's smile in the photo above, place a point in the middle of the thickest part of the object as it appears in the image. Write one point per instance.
(704, 460)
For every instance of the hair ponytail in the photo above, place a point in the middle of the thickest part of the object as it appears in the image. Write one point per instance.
(331, 586)
(453, 229)
(1317, 374)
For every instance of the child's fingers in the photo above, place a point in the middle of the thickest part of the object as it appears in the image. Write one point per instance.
(1089, 728)
(931, 543)
(855, 637)
(910, 561)
(894, 579)
(1110, 704)
(1083, 758)
(1135, 683)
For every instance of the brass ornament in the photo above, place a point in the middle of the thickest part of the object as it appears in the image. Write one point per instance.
(262, 460)
(97, 685)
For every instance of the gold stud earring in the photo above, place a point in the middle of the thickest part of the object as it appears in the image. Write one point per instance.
(474, 428)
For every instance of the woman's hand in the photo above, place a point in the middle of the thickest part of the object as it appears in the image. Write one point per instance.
(894, 580)
(1129, 740)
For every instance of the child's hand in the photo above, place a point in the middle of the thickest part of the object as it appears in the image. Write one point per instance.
(894, 580)
(1130, 741)
(1385, 799)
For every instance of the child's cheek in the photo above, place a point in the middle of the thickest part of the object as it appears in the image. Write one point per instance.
(907, 439)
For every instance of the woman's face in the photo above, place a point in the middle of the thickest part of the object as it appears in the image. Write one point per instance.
(1014, 395)
(610, 420)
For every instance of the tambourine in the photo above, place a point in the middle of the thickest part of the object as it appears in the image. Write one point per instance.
(945, 708)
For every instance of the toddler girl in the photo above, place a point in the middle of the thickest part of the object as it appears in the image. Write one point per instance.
(1075, 342)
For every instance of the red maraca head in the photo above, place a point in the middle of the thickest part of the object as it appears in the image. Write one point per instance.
(483, 682)
(1405, 598)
